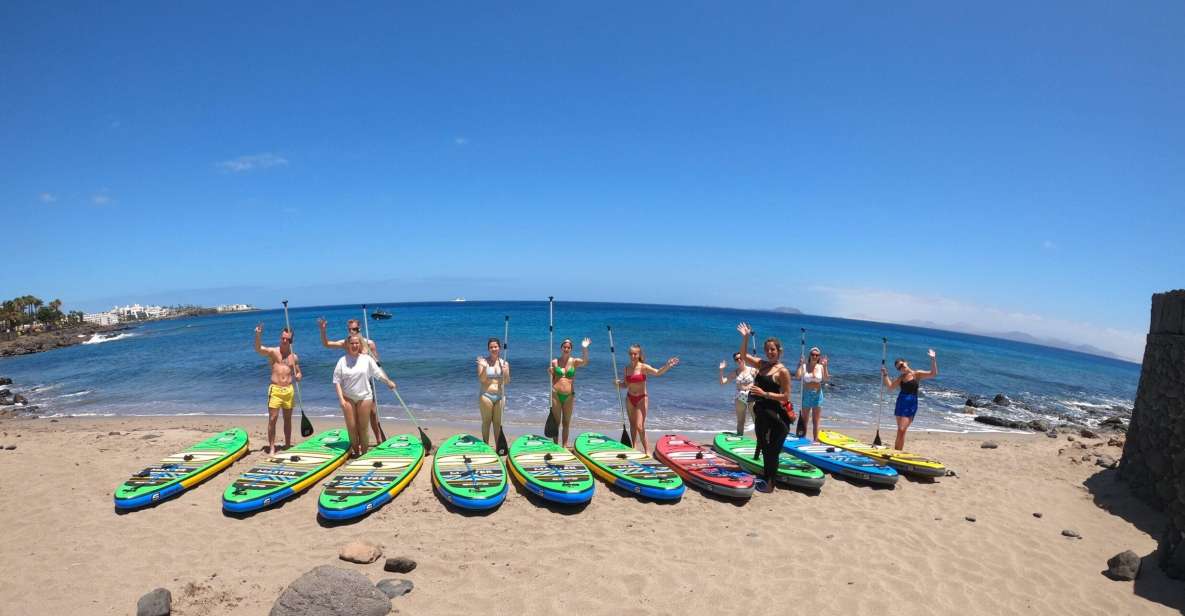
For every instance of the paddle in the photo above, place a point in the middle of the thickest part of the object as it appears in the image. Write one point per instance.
(800, 429)
(500, 443)
(876, 442)
(366, 325)
(551, 429)
(424, 440)
(625, 435)
(306, 426)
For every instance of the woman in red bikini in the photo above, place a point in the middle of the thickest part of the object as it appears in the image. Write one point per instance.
(635, 391)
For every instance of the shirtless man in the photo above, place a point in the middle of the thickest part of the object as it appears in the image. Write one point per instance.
(368, 348)
(285, 366)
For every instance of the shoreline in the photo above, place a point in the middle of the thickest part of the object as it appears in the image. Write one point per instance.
(633, 552)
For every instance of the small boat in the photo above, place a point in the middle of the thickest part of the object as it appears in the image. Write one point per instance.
(380, 314)
(458, 299)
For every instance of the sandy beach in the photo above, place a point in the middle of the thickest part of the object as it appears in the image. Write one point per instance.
(849, 549)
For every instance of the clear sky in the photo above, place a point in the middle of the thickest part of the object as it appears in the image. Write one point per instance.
(1011, 166)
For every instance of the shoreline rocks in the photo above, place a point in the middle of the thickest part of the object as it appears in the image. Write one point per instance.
(54, 339)
(331, 591)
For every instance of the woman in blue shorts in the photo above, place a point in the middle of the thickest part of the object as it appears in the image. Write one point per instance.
(812, 371)
(907, 398)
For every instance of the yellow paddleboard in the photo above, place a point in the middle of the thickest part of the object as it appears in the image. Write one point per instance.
(903, 461)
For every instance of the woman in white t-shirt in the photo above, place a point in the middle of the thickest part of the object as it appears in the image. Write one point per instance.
(352, 377)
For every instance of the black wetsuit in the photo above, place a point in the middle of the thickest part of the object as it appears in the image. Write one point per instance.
(770, 424)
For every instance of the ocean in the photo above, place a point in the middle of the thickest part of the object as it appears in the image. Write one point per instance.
(207, 365)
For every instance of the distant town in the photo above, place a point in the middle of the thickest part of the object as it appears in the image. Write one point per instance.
(136, 312)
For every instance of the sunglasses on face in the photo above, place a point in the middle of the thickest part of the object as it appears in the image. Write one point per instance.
(814, 354)
(355, 329)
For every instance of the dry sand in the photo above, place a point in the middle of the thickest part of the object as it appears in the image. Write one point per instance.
(850, 549)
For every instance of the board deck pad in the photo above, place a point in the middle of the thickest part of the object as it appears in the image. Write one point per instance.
(364, 483)
(182, 470)
(549, 470)
(628, 468)
(791, 470)
(286, 473)
(468, 473)
(840, 462)
(703, 467)
(903, 461)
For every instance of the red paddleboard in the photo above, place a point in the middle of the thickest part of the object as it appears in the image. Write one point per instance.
(702, 467)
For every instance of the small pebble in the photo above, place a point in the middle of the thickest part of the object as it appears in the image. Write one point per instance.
(1070, 437)
(1037, 514)
(989, 445)
(969, 518)
(395, 588)
(10, 447)
(1073, 534)
(399, 564)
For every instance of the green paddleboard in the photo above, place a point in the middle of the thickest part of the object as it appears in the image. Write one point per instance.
(550, 471)
(287, 473)
(182, 470)
(468, 473)
(791, 470)
(367, 483)
(628, 468)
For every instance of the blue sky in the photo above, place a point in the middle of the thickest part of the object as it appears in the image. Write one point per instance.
(1008, 166)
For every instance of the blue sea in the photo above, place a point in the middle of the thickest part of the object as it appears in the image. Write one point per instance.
(207, 365)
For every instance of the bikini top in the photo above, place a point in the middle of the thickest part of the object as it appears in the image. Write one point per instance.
(813, 376)
(744, 380)
(494, 373)
(562, 373)
(635, 378)
(910, 386)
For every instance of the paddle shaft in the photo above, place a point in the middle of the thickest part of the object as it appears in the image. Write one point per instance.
(880, 407)
(288, 326)
(613, 359)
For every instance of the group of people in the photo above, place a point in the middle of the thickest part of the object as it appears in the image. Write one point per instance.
(763, 389)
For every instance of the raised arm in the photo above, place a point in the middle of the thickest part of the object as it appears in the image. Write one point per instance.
(583, 359)
(650, 370)
(259, 348)
(801, 369)
(481, 372)
(747, 331)
(826, 370)
(325, 341)
(723, 378)
(933, 371)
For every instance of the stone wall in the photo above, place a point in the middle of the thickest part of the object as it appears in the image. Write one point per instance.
(1154, 455)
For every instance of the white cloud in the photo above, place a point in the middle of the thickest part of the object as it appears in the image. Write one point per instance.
(895, 307)
(243, 164)
(47, 198)
(461, 141)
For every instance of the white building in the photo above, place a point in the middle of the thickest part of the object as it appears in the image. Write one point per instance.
(101, 318)
(235, 308)
(136, 311)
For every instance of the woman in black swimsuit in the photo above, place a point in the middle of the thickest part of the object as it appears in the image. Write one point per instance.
(770, 390)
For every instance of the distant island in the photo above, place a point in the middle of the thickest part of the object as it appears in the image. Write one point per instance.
(787, 310)
(1016, 336)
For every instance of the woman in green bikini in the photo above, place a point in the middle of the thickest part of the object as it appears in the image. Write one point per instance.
(563, 372)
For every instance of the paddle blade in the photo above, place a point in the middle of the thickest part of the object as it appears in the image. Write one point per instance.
(425, 441)
(625, 437)
(306, 426)
(501, 446)
(551, 427)
(800, 430)
(876, 442)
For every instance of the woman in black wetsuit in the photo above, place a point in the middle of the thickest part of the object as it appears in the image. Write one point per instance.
(770, 390)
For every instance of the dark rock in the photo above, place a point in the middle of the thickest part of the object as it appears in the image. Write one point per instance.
(1070, 437)
(1115, 442)
(979, 403)
(156, 603)
(1088, 433)
(1051, 434)
(1001, 400)
(1040, 425)
(393, 587)
(1073, 534)
(1114, 423)
(1124, 566)
(992, 420)
(331, 591)
(1038, 514)
(989, 445)
(969, 518)
(399, 564)
(7, 401)
(149, 437)
(5, 380)
(10, 447)
(114, 433)
(4, 393)
(1085, 457)
(19, 399)
(1106, 461)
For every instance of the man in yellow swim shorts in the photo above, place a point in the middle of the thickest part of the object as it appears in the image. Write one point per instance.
(285, 367)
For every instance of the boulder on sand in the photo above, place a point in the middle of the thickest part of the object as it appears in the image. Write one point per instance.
(1124, 566)
(360, 552)
(1001, 400)
(331, 591)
